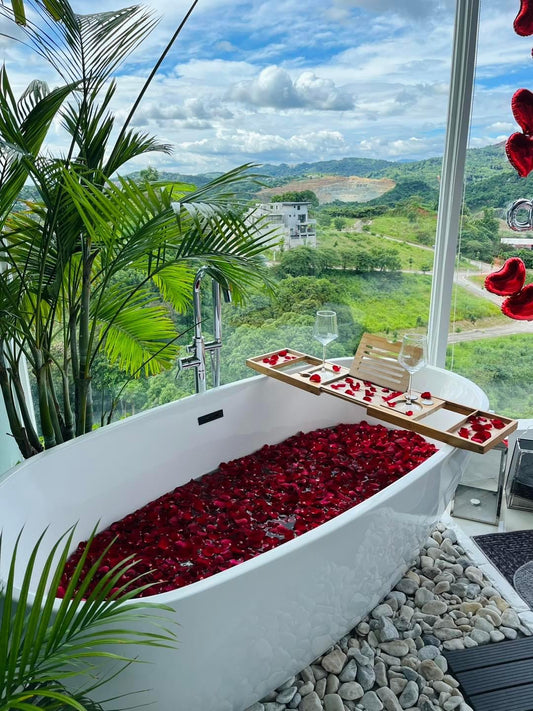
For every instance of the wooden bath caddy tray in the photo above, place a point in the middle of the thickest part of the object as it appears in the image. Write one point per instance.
(377, 381)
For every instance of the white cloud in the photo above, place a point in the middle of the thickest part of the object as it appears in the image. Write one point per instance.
(502, 126)
(413, 9)
(275, 88)
(380, 147)
(243, 142)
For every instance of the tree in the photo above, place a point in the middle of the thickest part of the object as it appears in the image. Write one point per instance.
(301, 261)
(304, 295)
(339, 223)
(386, 259)
(64, 252)
(297, 196)
(150, 174)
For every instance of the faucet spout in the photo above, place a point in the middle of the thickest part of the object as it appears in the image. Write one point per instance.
(199, 347)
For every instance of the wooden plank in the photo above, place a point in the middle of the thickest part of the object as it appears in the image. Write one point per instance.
(296, 369)
(519, 698)
(489, 655)
(376, 360)
(275, 370)
(495, 677)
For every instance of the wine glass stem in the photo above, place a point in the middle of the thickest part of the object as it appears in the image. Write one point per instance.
(323, 357)
(409, 397)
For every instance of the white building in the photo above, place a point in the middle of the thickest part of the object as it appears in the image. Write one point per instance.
(291, 220)
(517, 242)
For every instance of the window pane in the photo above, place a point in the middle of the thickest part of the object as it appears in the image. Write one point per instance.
(484, 345)
(376, 218)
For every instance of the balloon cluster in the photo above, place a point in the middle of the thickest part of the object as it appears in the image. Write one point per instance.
(519, 146)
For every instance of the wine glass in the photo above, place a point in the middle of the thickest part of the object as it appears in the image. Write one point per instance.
(412, 357)
(325, 331)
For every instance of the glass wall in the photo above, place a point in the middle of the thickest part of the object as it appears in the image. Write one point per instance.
(483, 344)
(343, 106)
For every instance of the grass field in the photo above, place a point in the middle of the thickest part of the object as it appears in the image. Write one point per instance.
(412, 257)
(393, 302)
(502, 367)
(420, 229)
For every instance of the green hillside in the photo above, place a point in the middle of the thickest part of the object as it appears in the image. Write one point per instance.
(490, 179)
(362, 167)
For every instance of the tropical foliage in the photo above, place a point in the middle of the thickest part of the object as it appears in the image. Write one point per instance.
(65, 252)
(50, 649)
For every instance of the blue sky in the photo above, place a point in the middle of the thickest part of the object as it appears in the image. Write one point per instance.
(292, 80)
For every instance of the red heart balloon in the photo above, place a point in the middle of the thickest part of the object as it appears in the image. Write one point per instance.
(509, 279)
(523, 22)
(520, 306)
(522, 106)
(519, 149)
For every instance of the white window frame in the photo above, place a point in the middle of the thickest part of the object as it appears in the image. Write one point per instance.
(452, 177)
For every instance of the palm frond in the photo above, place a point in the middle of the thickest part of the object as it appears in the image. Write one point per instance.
(43, 641)
(134, 221)
(88, 47)
(131, 145)
(135, 330)
(221, 190)
(175, 282)
(23, 127)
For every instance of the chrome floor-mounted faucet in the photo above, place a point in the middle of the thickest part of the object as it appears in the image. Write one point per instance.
(199, 347)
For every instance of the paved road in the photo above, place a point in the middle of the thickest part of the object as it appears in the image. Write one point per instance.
(477, 334)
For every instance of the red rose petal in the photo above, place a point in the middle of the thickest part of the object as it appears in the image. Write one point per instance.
(481, 436)
(315, 378)
(336, 368)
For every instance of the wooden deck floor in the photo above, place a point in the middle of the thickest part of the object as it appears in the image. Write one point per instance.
(495, 677)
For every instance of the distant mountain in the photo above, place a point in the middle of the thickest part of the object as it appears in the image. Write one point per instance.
(490, 179)
(361, 167)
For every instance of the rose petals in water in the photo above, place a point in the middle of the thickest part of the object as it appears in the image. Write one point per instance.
(252, 504)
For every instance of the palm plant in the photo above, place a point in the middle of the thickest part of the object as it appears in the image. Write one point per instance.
(64, 252)
(49, 649)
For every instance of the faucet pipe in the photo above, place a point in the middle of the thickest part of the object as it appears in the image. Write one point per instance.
(214, 346)
(199, 347)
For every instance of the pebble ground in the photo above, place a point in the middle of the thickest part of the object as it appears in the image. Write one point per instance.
(393, 658)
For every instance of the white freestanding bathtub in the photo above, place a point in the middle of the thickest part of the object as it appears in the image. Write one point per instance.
(243, 631)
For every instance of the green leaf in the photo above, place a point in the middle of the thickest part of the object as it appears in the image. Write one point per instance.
(43, 640)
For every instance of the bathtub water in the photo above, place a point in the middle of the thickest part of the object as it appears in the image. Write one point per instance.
(243, 631)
